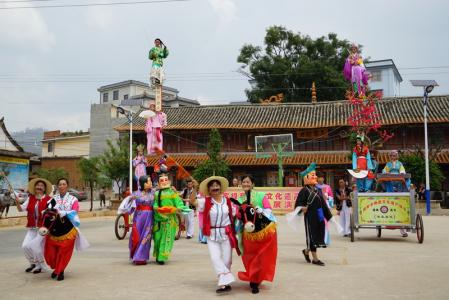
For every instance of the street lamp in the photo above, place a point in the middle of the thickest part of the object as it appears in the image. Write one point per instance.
(129, 116)
(428, 86)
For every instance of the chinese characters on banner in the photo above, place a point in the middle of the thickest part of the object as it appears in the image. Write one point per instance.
(281, 198)
(384, 209)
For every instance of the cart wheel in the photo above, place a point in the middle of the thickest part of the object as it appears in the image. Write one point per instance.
(120, 227)
(379, 232)
(419, 228)
(351, 220)
(180, 227)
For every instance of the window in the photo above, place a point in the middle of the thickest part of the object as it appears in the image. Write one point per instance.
(376, 76)
(50, 147)
(105, 97)
(125, 97)
(115, 95)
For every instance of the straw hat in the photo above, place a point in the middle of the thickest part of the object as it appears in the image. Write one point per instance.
(223, 183)
(32, 183)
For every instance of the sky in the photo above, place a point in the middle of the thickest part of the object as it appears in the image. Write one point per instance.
(52, 60)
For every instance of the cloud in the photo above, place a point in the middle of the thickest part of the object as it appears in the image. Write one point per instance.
(99, 18)
(19, 28)
(225, 9)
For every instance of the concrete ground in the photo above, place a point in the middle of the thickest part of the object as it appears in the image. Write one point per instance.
(391, 267)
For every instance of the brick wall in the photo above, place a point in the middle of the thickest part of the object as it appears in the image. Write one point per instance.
(69, 164)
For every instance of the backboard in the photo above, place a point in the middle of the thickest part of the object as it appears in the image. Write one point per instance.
(267, 145)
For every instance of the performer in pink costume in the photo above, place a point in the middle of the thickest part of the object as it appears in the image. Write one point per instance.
(355, 72)
(153, 128)
(140, 163)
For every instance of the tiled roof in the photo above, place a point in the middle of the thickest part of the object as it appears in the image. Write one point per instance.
(300, 158)
(404, 110)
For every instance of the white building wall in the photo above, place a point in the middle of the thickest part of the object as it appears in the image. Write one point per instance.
(76, 146)
(5, 143)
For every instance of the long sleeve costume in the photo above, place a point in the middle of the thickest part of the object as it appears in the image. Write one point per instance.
(166, 204)
(314, 218)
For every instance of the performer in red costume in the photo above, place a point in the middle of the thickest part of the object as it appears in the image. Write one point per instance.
(33, 243)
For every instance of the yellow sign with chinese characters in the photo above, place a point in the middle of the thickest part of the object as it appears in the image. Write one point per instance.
(14, 160)
(384, 209)
(282, 199)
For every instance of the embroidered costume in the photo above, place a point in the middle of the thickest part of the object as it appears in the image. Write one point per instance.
(33, 243)
(395, 167)
(140, 163)
(58, 250)
(157, 54)
(141, 234)
(361, 160)
(311, 203)
(218, 227)
(153, 128)
(220, 234)
(355, 72)
(259, 248)
(166, 205)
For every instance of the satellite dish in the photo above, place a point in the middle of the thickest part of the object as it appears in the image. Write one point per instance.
(146, 114)
(359, 175)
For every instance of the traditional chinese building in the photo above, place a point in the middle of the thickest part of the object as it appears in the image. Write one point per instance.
(320, 133)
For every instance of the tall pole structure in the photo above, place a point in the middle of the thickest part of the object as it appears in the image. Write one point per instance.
(426, 155)
(130, 151)
(428, 86)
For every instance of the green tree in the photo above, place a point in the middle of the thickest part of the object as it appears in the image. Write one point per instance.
(415, 165)
(91, 175)
(114, 162)
(216, 164)
(291, 61)
(52, 174)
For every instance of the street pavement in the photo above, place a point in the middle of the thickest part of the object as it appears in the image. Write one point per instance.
(391, 267)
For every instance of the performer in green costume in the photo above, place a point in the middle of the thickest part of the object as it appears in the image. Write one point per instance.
(157, 54)
(166, 204)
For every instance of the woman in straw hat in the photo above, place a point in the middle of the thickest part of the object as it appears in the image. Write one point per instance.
(33, 243)
(218, 227)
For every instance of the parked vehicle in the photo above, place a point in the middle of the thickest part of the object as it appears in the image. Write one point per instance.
(80, 195)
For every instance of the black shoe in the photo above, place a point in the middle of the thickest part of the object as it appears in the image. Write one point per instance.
(317, 262)
(28, 270)
(188, 237)
(53, 275)
(306, 255)
(160, 262)
(223, 290)
(254, 287)
(228, 287)
(60, 276)
(37, 271)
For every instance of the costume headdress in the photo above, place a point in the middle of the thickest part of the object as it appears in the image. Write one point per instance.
(309, 169)
(140, 148)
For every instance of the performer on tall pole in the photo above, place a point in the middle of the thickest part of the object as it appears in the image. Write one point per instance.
(355, 71)
(157, 55)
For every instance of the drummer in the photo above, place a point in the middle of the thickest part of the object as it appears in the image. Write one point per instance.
(394, 166)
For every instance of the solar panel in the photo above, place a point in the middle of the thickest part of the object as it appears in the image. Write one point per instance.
(423, 82)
